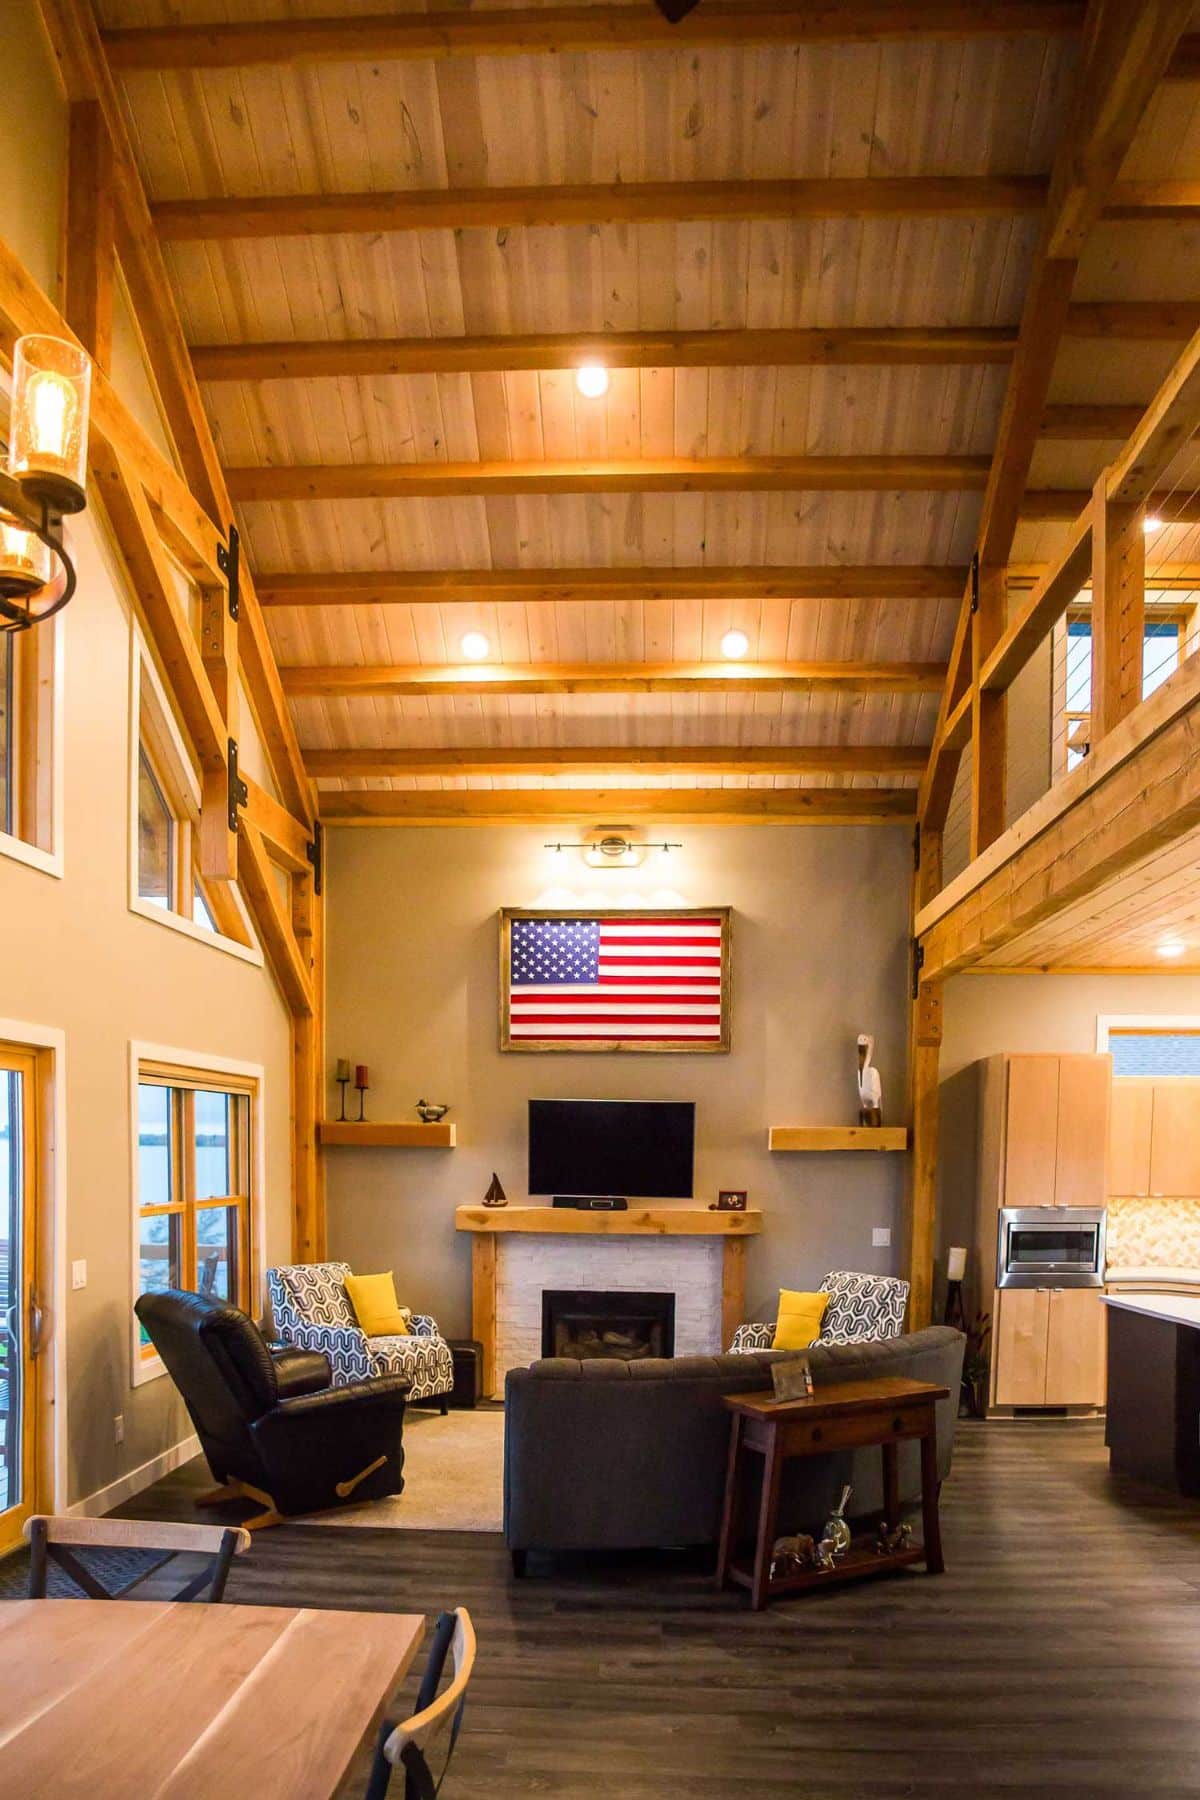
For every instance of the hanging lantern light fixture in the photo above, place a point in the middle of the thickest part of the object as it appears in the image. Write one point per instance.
(46, 478)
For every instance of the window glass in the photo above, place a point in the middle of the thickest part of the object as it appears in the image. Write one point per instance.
(156, 838)
(1161, 640)
(217, 1251)
(200, 912)
(1155, 1052)
(154, 1145)
(213, 1176)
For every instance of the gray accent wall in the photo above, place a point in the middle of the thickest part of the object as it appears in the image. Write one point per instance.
(819, 954)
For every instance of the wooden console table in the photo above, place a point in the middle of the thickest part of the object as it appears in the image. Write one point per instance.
(845, 1415)
(486, 1222)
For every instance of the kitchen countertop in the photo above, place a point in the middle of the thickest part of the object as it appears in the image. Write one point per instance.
(1175, 1309)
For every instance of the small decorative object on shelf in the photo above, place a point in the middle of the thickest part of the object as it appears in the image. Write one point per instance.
(495, 1195)
(342, 1077)
(729, 1200)
(889, 1539)
(430, 1111)
(362, 1083)
(836, 1531)
(870, 1088)
(789, 1555)
(792, 1380)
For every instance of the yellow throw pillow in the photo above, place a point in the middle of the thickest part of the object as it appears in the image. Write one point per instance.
(799, 1321)
(376, 1308)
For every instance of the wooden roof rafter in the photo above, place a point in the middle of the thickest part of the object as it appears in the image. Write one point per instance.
(659, 759)
(701, 806)
(366, 681)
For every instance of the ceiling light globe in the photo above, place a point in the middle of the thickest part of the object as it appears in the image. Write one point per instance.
(1170, 949)
(1150, 526)
(591, 378)
(734, 645)
(474, 646)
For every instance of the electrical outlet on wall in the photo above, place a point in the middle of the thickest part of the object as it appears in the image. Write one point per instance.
(79, 1273)
(118, 1428)
(881, 1237)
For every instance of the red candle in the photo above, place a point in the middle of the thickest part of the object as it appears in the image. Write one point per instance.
(360, 1076)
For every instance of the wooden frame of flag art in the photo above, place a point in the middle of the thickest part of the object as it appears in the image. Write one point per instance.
(592, 980)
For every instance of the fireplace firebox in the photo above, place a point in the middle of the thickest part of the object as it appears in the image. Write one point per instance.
(625, 1326)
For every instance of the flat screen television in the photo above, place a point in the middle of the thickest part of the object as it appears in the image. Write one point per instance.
(636, 1148)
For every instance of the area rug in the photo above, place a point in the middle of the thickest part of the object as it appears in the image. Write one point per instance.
(453, 1477)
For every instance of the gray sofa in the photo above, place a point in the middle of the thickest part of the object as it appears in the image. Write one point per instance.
(613, 1455)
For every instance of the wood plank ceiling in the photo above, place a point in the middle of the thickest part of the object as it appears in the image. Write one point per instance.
(803, 258)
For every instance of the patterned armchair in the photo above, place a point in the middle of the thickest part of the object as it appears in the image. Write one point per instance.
(862, 1309)
(311, 1309)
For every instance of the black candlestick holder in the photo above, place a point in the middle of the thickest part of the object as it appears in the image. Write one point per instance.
(343, 1085)
(362, 1100)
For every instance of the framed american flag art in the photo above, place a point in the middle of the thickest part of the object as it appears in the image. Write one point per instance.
(619, 980)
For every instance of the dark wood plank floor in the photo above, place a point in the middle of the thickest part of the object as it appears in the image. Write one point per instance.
(1058, 1656)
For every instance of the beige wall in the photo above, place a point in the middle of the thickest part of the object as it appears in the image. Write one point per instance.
(819, 953)
(75, 958)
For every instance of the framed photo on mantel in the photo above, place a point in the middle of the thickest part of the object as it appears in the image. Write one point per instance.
(622, 980)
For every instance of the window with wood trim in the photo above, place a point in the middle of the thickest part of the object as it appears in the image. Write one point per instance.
(27, 672)
(195, 1174)
(167, 872)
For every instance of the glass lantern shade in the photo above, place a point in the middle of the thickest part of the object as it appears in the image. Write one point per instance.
(26, 563)
(49, 426)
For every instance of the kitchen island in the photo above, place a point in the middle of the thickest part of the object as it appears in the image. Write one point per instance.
(1153, 1422)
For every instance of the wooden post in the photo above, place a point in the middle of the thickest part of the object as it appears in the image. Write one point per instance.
(483, 1302)
(309, 1233)
(988, 713)
(733, 1287)
(91, 232)
(925, 1040)
(1118, 609)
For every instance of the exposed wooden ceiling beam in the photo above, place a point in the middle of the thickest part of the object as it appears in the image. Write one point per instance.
(643, 475)
(1150, 201)
(571, 29)
(662, 759)
(345, 680)
(426, 587)
(1180, 577)
(1065, 504)
(1088, 424)
(1151, 320)
(288, 361)
(710, 806)
(597, 203)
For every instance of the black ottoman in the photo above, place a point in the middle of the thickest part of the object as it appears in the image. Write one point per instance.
(468, 1371)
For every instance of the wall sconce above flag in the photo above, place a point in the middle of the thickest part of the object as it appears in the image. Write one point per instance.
(609, 847)
(633, 979)
(45, 480)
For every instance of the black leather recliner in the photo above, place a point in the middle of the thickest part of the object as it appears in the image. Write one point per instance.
(271, 1426)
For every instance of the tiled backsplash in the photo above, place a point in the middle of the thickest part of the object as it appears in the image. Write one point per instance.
(1153, 1232)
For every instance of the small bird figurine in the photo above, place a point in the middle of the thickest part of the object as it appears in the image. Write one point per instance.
(431, 1112)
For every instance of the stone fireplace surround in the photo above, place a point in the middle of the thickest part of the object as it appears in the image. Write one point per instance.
(519, 1251)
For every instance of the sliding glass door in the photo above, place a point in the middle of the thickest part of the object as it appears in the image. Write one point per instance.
(20, 1317)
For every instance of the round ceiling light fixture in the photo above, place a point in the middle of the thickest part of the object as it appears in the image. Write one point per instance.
(1150, 526)
(734, 645)
(474, 646)
(1170, 949)
(591, 378)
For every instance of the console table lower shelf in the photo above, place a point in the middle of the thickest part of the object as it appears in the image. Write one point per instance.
(847, 1415)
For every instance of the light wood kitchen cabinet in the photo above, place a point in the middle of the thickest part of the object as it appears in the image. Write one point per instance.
(1031, 1130)
(1155, 1138)
(1129, 1144)
(1049, 1347)
(1044, 1128)
(1081, 1160)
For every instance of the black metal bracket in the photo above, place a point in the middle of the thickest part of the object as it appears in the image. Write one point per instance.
(917, 845)
(316, 854)
(975, 582)
(228, 561)
(918, 963)
(239, 793)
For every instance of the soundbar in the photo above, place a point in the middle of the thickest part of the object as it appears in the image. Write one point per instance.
(593, 1202)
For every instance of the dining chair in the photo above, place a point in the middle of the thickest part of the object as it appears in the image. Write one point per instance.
(427, 1739)
(55, 1540)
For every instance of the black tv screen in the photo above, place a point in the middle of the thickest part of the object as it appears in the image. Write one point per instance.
(635, 1148)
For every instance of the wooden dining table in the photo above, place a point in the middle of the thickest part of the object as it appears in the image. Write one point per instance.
(183, 1702)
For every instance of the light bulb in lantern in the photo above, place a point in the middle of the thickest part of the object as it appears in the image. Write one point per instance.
(25, 562)
(734, 645)
(591, 378)
(1150, 526)
(48, 434)
(474, 646)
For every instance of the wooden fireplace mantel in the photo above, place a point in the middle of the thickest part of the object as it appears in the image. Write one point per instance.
(486, 1223)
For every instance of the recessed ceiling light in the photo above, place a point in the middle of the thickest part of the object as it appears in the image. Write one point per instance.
(1151, 525)
(591, 378)
(474, 646)
(734, 644)
(1170, 949)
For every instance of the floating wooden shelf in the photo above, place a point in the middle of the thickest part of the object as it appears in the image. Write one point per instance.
(837, 1137)
(405, 1135)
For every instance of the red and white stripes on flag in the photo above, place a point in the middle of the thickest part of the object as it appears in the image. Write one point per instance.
(629, 980)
